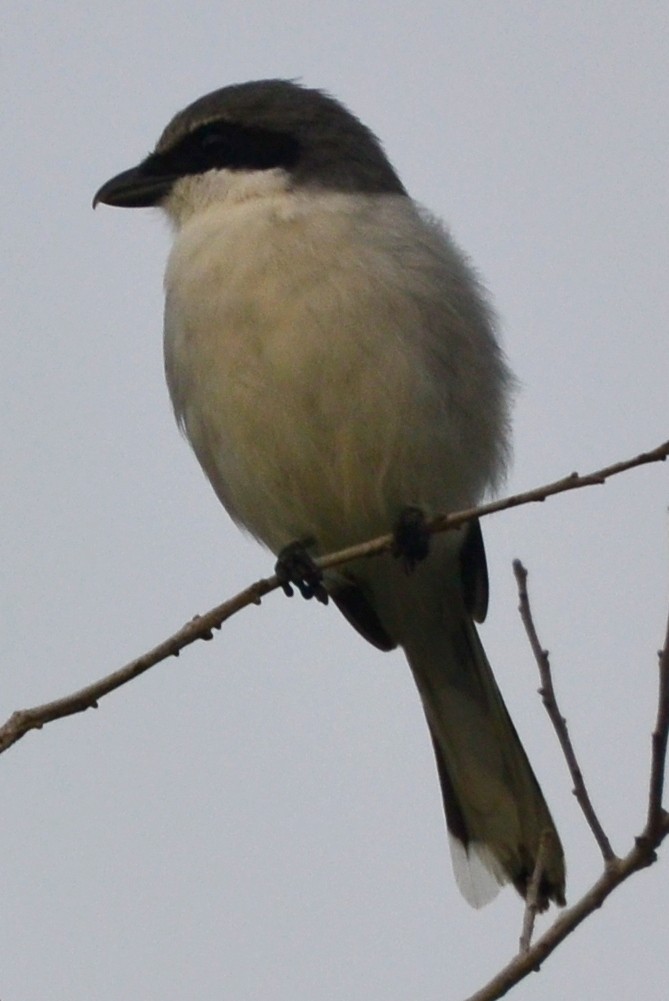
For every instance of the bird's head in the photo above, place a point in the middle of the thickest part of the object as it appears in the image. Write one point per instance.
(266, 134)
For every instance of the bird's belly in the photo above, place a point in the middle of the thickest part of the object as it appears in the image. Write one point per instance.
(293, 358)
(294, 451)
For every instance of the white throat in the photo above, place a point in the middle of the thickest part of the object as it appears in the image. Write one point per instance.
(196, 192)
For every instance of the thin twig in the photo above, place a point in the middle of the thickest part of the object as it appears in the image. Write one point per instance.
(547, 693)
(574, 481)
(200, 628)
(659, 744)
(532, 898)
(616, 870)
(615, 873)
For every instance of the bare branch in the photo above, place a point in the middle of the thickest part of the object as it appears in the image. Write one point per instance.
(200, 628)
(547, 693)
(615, 873)
(616, 870)
(656, 815)
(443, 522)
(532, 898)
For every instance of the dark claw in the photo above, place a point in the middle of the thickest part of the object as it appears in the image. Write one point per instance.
(295, 567)
(412, 539)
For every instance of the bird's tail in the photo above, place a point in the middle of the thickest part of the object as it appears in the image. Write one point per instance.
(495, 810)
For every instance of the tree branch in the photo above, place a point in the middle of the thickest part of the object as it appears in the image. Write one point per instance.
(616, 870)
(533, 887)
(547, 693)
(443, 522)
(656, 815)
(200, 628)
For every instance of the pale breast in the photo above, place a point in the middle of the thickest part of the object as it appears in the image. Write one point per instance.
(299, 357)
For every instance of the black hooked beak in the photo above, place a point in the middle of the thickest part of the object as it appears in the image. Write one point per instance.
(137, 188)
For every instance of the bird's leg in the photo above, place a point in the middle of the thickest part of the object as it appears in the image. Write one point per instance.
(295, 566)
(412, 539)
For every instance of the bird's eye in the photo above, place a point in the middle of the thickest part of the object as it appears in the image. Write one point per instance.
(211, 139)
(224, 145)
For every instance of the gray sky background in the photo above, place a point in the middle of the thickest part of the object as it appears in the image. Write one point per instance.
(261, 818)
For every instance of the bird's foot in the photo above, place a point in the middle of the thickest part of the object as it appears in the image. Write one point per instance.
(412, 538)
(295, 567)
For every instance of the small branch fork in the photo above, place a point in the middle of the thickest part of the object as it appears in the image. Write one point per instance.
(616, 869)
(201, 627)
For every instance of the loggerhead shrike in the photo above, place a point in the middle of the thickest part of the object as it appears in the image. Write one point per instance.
(332, 359)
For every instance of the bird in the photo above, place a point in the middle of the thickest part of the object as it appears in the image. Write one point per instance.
(333, 359)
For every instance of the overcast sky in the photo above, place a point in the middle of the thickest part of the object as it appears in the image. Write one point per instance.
(261, 818)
